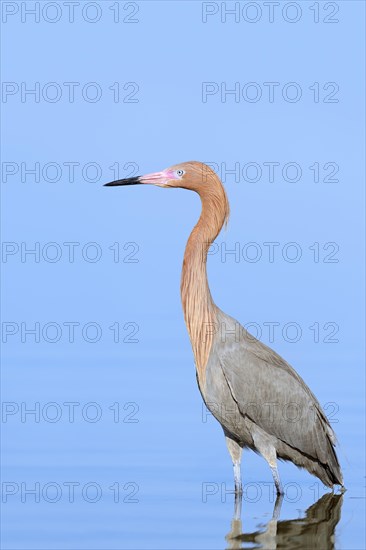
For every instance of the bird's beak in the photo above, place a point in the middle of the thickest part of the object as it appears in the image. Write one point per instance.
(156, 178)
(127, 181)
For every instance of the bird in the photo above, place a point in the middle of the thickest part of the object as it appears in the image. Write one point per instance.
(260, 401)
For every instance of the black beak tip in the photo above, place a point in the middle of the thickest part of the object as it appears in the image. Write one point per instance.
(126, 181)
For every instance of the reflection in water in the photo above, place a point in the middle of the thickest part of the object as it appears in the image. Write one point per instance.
(316, 530)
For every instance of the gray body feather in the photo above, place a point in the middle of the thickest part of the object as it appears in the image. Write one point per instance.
(262, 403)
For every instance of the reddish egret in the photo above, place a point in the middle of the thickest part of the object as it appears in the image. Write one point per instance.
(258, 398)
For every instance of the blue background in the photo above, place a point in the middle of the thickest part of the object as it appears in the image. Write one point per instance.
(170, 452)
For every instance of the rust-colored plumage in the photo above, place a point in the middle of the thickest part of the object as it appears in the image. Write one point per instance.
(200, 312)
(237, 377)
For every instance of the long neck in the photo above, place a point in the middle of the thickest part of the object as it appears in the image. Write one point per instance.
(198, 305)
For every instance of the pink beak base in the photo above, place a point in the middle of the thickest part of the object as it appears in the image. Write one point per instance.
(156, 178)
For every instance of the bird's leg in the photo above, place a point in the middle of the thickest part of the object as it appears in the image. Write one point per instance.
(237, 478)
(235, 452)
(237, 505)
(276, 479)
(266, 448)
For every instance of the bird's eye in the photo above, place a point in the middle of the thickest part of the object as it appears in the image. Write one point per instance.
(180, 173)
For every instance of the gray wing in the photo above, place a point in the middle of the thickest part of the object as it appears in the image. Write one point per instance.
(271, 394)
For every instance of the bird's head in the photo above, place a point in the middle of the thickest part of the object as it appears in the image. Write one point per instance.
(192, 175)
(195, 176)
